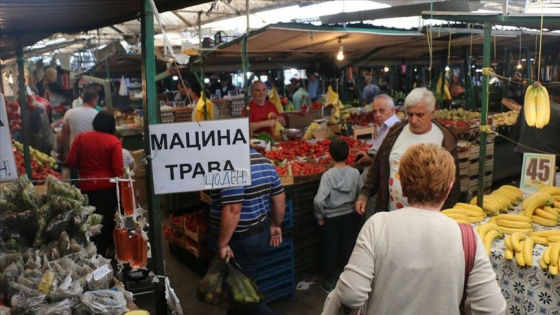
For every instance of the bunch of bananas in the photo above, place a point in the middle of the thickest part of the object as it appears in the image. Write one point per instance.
(546, 216)
(521, 246)
(465, 213)
(511, 223)
(554, 192)
(550, 258)
(488, 232)
(545, 237)
(537, 106)
(537, 200)
(501, 200)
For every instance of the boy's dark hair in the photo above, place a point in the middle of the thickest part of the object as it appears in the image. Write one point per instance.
(339, 150)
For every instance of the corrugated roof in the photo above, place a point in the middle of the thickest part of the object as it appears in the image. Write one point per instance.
(33, 20)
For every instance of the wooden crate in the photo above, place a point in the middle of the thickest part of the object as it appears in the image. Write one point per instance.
(196, 236)
(364, 131)
(199, 250)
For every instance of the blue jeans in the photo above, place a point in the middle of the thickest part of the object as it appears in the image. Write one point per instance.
(247, 251)
(339, 234)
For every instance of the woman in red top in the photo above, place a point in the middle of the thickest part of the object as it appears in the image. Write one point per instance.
(97, 155)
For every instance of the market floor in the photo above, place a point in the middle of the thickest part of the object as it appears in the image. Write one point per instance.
(184, 280)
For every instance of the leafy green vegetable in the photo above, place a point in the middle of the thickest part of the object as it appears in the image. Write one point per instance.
(264, 136)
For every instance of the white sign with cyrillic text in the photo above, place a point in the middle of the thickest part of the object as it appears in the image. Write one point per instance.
(8, 169)
(195, 156)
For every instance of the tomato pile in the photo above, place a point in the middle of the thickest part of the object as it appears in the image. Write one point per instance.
(300, 169)
(361, 119)
(39, 170)
(292, 151)
(194, 221)
(316, 105)
(14, 116)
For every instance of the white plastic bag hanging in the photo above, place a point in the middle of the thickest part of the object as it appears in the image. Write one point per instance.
(123, 90)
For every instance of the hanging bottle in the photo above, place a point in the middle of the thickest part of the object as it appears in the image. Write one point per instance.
(122, 241)
(139, 247)
(127, 195)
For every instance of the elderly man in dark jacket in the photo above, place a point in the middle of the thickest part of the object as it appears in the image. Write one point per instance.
(382, 178)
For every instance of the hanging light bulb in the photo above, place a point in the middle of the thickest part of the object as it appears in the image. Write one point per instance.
(519, 65)
(386, 69)
(340, 55)
(447, 68)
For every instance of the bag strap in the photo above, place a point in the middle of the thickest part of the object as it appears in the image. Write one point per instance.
(469, 249)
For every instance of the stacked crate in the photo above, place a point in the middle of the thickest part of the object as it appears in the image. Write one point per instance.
(469, 166)
(178, 114)
(230, 106)
(308, 243)
(191, 239)
(275, 275)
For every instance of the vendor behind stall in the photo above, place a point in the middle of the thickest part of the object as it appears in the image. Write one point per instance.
(197, 96)
(262, 113)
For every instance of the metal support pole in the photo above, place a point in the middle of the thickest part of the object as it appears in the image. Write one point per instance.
(468, 80)
(22, 100)
(484, 114)
(150, 118)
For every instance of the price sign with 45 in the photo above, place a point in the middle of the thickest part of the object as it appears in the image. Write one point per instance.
(537, 170)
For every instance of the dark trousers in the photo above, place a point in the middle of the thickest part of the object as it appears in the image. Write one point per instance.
(339, 238)
(247, 251)
(105, 203)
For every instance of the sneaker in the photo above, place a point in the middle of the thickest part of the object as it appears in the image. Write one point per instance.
(326, 286)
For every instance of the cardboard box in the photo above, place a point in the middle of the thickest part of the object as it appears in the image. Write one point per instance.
(294, 120)
(138, 156)
(141, 192)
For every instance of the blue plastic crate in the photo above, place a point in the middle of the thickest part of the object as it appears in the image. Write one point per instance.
(286, 291)
(288, 221)
(273, 281)
(262, 276)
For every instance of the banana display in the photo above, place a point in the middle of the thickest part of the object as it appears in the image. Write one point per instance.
(513, 223)
(501, 200)
(505, 119)
(551, 254)
(488, 232)
(520, 246)
(465, 213)
(517, 229)
(537, 106)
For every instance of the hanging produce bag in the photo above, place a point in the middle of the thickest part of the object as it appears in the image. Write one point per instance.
(211, 286)
(243, 290)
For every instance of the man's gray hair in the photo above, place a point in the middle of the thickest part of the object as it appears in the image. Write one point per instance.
(420, 95)
(253, 85)
(388, 99)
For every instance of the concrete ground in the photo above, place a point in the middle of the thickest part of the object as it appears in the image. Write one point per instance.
(184, 281)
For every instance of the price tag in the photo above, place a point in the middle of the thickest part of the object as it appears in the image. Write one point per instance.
(537, 170)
